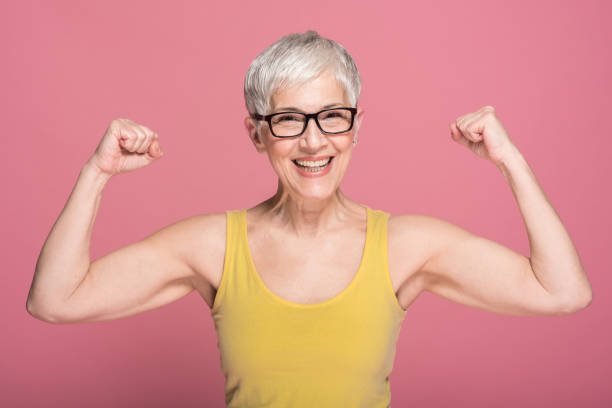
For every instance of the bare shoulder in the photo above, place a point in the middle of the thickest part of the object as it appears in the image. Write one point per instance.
(412, 240)
(417, 225)
(201, 239)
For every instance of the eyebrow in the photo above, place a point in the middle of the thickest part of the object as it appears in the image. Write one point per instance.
(293, 108)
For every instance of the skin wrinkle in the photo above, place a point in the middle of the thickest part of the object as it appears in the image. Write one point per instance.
(308, 205)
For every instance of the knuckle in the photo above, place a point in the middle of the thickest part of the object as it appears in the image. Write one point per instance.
(146, 130)
(114, 124)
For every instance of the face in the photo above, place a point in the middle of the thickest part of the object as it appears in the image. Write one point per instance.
(312, 145)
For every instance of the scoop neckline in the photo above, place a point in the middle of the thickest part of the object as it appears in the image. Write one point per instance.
(326, 302)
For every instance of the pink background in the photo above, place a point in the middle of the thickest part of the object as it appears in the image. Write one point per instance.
(70, 67)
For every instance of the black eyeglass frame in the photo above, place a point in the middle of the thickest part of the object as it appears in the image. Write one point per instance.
(308, 116)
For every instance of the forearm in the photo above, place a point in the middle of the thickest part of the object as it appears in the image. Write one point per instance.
(64, 258)
(554, 259)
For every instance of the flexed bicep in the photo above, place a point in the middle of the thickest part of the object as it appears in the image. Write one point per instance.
(474, 271)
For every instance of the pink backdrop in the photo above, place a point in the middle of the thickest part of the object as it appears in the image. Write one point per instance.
(70, 67)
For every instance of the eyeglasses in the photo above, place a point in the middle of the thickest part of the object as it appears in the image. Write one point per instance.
(292, 124)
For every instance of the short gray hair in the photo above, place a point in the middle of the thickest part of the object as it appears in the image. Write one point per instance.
(293, 60)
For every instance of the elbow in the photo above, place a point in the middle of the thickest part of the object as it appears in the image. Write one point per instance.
(577, 303)
(40, 313)
(586, 300)
(32, 309)
(35, 311)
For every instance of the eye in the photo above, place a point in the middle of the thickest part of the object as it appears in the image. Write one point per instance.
(332, 115)
(286, 118)
(335, 114)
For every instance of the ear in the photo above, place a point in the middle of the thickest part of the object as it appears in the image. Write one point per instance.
(251, 128)
(359, 118)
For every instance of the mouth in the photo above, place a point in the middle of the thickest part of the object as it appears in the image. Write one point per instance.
(313, 166)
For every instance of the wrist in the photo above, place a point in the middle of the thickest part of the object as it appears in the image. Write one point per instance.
(512, 162)
(92, 172)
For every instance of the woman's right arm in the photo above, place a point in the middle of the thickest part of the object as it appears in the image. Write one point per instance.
(67, 288)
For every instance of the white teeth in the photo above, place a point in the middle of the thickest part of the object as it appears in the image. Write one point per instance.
(317, 163)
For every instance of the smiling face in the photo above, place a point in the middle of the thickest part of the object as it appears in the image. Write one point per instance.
(312, 148)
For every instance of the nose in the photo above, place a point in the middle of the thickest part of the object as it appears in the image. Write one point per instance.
(313, 138)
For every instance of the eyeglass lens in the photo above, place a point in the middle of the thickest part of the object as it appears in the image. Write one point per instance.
(292, 124)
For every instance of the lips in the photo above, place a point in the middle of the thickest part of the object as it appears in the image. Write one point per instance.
(313, 158)
(312, 164)
(316, 169)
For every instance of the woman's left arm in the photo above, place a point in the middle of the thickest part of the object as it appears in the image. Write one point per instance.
(554, 259)
(554, 263)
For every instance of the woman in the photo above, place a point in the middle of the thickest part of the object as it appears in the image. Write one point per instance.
(307, 289)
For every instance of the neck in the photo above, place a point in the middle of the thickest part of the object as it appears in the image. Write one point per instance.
(308, 216)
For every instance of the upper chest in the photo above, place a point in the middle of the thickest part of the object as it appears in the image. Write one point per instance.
(306, 271)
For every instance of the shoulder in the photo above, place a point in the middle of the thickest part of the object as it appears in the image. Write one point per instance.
(429, 234)
(196, 229)
(412, 240)
(409, 226)
(200, 241)
(410, 233)
(405, 226)
(424, 233)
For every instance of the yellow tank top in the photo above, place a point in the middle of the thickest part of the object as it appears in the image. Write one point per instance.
(277, 353)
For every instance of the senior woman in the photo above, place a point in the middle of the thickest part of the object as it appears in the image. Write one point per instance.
(307, 289)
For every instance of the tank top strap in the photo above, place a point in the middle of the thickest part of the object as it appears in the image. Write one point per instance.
(378, 274)
(378, 237)
(234, 257)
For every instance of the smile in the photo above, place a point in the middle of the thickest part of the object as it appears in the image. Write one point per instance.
(313, 168)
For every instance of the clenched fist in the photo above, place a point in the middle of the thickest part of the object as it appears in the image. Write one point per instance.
(483, 133)
(126, 146)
